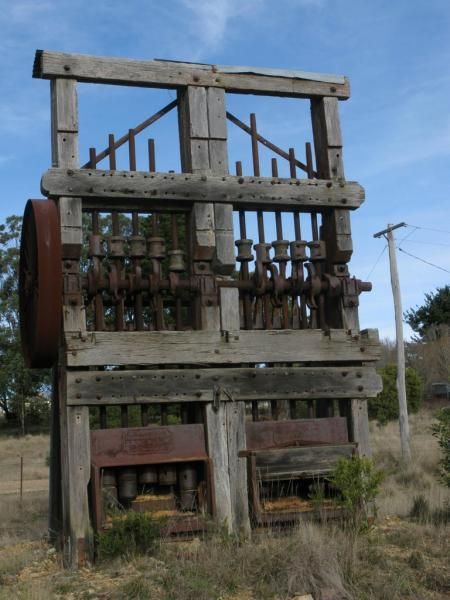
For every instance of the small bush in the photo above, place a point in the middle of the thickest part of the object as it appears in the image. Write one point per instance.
(441, 430)
(358, 482)
(130, 534)
(384, 407)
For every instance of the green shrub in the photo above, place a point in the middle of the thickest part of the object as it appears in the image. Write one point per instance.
(384, 407)
(441, 430)
(358, 483)
(130, 534)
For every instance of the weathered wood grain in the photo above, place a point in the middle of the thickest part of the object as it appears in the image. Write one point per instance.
(183, 188)
(235, 423)
(360, 426)
(73, 463)
(300, 462)
(172, 75)
(214, 347)
(243, 384)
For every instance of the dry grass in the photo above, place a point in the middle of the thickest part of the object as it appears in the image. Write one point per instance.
(400, 559)
(33, 448)
(403, 483)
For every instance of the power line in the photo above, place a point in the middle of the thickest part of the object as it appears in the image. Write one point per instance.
(376, 262)
(424, 261)
(424, 243)
(428, 228)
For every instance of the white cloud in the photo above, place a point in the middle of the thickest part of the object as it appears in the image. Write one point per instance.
(211, 18)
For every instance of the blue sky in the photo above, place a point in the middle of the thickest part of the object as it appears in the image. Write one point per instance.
(396, 126)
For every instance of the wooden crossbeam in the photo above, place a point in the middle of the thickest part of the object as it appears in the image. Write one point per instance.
(172, 75)
(215, 347)
(232, 384)
(139, 189)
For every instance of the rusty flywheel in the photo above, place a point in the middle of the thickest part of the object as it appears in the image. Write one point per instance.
(40, 284)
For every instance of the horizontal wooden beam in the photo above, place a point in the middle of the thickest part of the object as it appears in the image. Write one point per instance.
(172, 75)
(300, 462)
(139, 189)
(214, 347)
(230, 384)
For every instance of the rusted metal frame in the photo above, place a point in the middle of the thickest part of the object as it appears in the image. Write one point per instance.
(157, 253)
(96, 254)
(125, 138)
(41, 284)
(158, 301)
(137, 246)
(265, 142)
(139, 446)
(245, 277)
(297, 265)
(263, 261)
(117, 267)
(281, 256)
(280, 305)
(175, 268)
(319, 264)
(245, 258)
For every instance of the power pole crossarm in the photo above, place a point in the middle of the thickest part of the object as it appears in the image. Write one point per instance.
(401, 383)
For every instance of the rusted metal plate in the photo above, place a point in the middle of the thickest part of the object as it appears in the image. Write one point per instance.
(147, 445)
(40, 284)
(263, 435)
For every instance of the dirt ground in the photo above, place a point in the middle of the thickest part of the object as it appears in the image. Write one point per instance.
(402, 557)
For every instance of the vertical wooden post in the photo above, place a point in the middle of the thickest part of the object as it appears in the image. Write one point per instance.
(336, 232)
(203, 145)
(400, 347)
(73, 422)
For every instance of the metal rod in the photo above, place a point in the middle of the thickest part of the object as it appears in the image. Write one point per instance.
(283, 265)
(264, 141)
(164, 414)
(112, 152)
(298, 237)
(132, 150)
(103, 418)
(309, 164)
(175, 246)
(144, 415)
(151, 155)
(117, 264)
(245, 275)
(138, 300)
(136, 130)
(255, 151)
(99, 314)
(124, 415)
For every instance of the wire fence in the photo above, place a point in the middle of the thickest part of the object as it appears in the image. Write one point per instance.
(23, 475)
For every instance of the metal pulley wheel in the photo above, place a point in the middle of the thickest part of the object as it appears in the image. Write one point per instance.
(40, 284)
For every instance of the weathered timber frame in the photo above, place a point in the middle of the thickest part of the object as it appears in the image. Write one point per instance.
(216, 378)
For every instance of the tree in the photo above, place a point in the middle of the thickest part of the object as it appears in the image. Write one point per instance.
(384, 407)
(22, 391)
(441, 430)
(434, 312)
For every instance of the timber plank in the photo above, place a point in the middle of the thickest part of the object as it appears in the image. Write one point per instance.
(172, 75)
(214, 347)
(242, 384)
(184, 188)
(296, 462)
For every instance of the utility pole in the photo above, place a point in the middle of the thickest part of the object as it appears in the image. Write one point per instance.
(401, 383)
